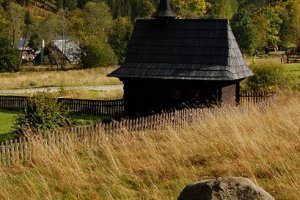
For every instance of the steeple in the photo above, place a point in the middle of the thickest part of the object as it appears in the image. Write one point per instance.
(164, 10)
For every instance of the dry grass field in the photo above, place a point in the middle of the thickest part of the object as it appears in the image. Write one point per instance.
(79, 94)
(86, 77)
(260, 143)
(90, 94)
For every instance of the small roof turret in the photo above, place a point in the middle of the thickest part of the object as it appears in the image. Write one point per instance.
(164, 11)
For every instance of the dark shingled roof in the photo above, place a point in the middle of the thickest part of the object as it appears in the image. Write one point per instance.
(199, 49)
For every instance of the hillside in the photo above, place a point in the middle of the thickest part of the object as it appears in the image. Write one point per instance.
(104, 27)
(261, 143)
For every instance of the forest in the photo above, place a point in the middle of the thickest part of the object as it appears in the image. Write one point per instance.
(102, 28)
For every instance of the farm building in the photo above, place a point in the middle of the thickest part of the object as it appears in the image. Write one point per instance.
(61, 50)
(173, 63)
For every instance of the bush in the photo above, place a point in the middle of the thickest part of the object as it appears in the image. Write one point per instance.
(268, 75)
(97, 53)
(42, 114)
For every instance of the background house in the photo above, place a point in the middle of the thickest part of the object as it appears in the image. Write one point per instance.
(61, 50)
(28, 53)
(174, 63)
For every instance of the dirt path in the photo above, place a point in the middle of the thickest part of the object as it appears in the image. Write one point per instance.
(57, 89)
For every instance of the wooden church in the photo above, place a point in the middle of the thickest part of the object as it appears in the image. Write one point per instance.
(175, 63)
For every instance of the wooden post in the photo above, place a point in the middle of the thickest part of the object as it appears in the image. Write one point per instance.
(7, 153)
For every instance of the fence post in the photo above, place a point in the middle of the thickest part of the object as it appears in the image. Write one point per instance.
(2, 154)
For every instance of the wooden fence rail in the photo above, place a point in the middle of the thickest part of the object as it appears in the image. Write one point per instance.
(113, 107)
(251, 97)
(21, 150)
(292, 58)
(76, 106)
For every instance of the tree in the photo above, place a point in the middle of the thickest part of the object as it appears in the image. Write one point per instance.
(244, 31)
(122, 8)
(144, 9)
(3, 21)
(35, 42)
(5, 4)
(286, 28)
(59, 4)
(76, 24)
(189, 8)
(261, 31)
(224, 9)
(274, 24)
(81, 3)
(9, 56)
(120, 37)
(41, 115)
(97, 53)
(91, 27)
(97, 19)
(15, 22)
(51, 26)
(296, 21)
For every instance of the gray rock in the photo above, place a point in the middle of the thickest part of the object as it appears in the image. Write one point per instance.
(229, 188)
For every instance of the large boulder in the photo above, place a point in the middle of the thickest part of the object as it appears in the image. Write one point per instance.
(229, 188)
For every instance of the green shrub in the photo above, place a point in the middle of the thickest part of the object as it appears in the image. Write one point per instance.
(41, 115)
(97, 53)
(268, 75)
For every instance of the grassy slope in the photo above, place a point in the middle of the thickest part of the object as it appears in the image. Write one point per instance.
(263, 146)
(96, 76)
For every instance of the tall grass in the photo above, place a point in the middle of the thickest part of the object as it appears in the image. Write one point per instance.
(95, 76)
(260, 143)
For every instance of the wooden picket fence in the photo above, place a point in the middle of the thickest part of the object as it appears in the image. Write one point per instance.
(19, 151)
(251, 97)
(292, 58)
(93, 107)
(113, 107)
(75, 106)
(12, 102)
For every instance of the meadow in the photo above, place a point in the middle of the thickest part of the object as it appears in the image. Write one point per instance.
(261, 143)
(89, 94)
(77, 94)
(79, 77)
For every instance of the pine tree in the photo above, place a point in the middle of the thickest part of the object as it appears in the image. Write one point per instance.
(59, 4)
